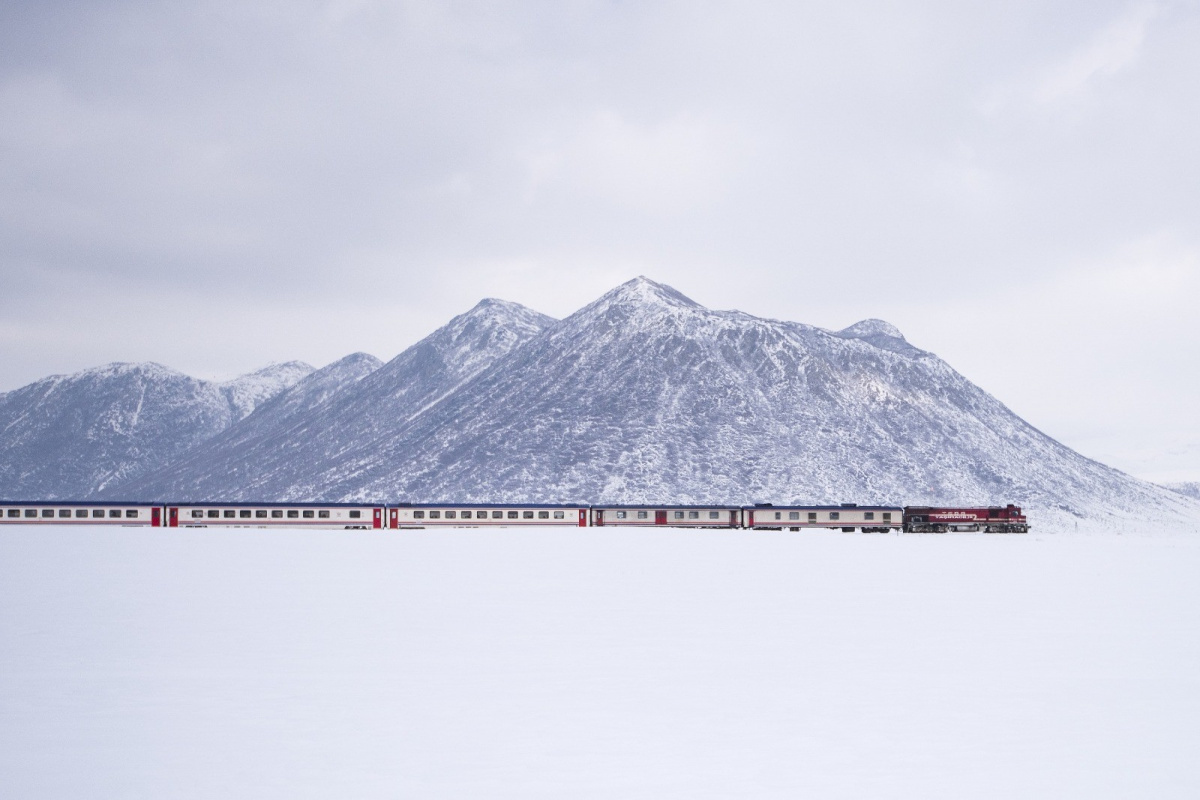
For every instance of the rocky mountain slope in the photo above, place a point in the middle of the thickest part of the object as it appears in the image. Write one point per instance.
(283, 449)
(78, 436)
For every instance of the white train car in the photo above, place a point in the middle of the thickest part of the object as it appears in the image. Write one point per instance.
(483, 515)
(43, 512)
(275, 515)
(846, 517)
(667, 516)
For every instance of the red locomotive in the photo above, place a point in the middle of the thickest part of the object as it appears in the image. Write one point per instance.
(993, 519)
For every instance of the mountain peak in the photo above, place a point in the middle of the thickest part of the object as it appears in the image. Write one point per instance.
(867, 328)
(643, 292)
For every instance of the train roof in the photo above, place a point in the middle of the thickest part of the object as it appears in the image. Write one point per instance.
(88, 503)
(488, 505)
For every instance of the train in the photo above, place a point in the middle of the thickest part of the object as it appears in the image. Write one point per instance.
(846, 517)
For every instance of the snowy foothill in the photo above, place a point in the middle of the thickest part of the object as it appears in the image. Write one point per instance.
(589, 663)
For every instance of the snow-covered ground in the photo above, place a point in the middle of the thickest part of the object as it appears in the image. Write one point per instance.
(597, 664)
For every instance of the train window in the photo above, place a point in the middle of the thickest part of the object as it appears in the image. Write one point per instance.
(543, 515)
(307, 513)
(293, 514)
(229, 513)
(323, 514)
(418, 514)
(277, 513)
(793, 515)
(512, 515)
(450, 514)
(49, 512)
(812, 516)
(527, 514)
(244, 513)
(559, 515)
(213, 513)
(97, 512)
(64, 512)
(887, 516)
(196, 513)
(14, 512)
(620, 515)
(714, 515)
(356, 514)
(31, 512)
(835, 515)
(114, 513)
(678, 515)
(131, 513)
(435, 515)
(643, 515)
(260, 513)
(868, 515)
(81, 512)
(693, 515)
(778, 515)
(497, 515)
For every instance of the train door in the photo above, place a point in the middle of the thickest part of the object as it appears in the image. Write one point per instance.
(583, 517)
(377, 522)
(173, 517)
(156, 517)
(393, 518)
(660, 517)
(599, 517)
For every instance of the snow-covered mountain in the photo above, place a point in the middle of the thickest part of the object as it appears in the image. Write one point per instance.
(296, 446)
(645, 395)
(76, 436)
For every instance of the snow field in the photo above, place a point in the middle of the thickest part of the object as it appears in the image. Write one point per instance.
(584, 663)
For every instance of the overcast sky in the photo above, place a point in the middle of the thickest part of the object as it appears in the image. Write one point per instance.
(219, 185)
